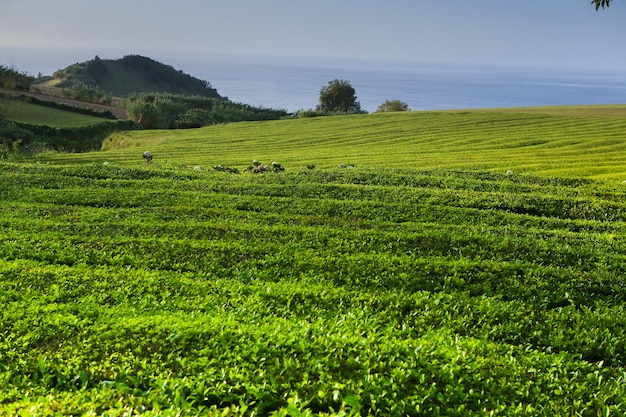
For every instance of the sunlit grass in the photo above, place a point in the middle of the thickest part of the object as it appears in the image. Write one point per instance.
(599, 110)
(22, 112)
(540, 141)
(428, 280)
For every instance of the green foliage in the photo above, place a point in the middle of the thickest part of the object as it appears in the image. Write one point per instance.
(12, 79)
(167, 111)
(75, 74)
(302, 113)
(3, 107)
(547, 142)
(426, 280)
(162, 290)
(34, 126)
(392, 105)
(193, 118)
(338, 97)
(76, 139)
(14, 140)
(88, 93)
(129, 75)
(155, 111)
(30, 138)
(167, 78)
(601, 3)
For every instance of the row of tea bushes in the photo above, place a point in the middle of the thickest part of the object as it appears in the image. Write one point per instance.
(374, 292)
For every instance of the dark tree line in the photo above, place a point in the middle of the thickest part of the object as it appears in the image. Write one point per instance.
(172, 111)
(168, 77)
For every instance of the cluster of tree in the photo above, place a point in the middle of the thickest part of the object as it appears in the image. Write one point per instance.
(170, 111)
(96, 68)
(81, 81)
(74, 75)
(339, 97)
(12, 79)
(131, 74)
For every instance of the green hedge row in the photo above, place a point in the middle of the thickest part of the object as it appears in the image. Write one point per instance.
(65, 107)
(75, 139)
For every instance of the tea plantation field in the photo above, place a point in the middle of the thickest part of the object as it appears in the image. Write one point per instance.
(425, 281)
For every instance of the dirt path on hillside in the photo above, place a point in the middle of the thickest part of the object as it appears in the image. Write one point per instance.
(118, 112)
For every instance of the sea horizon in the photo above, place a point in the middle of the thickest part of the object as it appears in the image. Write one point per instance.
(294, 83)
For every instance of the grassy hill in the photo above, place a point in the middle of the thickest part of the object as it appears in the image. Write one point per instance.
(545, 141)
(127, 75)
(32, 125)
(30, 113)
(425, 281)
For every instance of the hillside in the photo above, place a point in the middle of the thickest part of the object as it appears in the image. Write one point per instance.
(548, 142)
(427, 280)
(25, 112)
(127, 75)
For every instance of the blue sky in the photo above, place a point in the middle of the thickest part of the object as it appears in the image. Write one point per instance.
(44, 35)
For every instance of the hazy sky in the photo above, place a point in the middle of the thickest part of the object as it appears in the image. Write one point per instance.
(44, 35)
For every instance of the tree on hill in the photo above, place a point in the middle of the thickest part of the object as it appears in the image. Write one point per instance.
(129, 75)
(167, 76)
(96, 68)
(338, 97)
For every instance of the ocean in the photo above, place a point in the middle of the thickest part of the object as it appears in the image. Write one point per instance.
(294, 83)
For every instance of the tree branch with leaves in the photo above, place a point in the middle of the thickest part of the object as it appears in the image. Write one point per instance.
(601, 3)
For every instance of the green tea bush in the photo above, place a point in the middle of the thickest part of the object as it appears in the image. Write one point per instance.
(167, 291)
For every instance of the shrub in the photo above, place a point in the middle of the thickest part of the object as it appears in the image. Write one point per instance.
(77, 139)
(13, 79)
(166, 111)
(194, 118)
(84, 92)
(14, 140)
(392, 105)
(301, 114)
